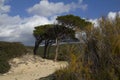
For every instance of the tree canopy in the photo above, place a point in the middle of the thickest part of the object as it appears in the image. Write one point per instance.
(72, 21)
(49, 33)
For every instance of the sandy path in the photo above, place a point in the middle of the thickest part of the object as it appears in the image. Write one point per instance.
(28, 68)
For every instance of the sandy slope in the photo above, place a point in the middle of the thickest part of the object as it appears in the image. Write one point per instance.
(29, 67)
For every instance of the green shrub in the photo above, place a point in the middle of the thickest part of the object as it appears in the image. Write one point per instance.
(10, 50)
(4, 66)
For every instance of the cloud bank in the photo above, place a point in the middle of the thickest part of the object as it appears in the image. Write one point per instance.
(46, 8)
(20, 29)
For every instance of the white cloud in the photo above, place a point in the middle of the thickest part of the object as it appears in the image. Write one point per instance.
(112, 15)
(4, 8)
(20, 29)
(6, 19)
(46, 8)
(95, 22)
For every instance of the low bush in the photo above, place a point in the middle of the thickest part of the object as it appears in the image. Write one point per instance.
(4, 66)
(10, 50)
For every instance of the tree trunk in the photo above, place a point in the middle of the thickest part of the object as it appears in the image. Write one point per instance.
(45, 48)
(57, 49)
(37, 42)
(48, 49)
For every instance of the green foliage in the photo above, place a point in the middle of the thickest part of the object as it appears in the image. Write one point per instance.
(51, 31)
(41, 30)
(4, 66)
(10, 50)
(72, 21)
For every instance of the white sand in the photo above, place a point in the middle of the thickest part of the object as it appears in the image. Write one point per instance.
(29, 67)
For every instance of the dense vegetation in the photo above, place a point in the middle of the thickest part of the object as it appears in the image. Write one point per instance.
(9, 50)
(98, 58)
(63, 51)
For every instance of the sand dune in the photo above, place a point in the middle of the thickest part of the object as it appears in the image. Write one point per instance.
(31, 67)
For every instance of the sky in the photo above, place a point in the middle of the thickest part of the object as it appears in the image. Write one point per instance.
(19, 17)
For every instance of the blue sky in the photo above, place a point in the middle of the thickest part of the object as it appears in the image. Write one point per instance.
(23, 15)
(94, 9)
